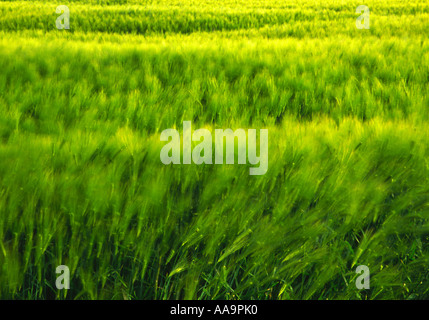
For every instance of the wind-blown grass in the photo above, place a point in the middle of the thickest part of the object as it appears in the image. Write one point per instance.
(82, 184)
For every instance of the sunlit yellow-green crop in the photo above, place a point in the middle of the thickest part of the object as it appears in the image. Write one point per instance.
(82, 184)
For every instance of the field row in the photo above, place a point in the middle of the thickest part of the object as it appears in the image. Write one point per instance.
(156, 85)
(103, 204)
(295, 21)
(391, 6)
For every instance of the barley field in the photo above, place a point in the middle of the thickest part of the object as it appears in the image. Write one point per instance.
(82, 184)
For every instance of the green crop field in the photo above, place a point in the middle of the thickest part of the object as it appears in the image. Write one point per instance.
(82, 183)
